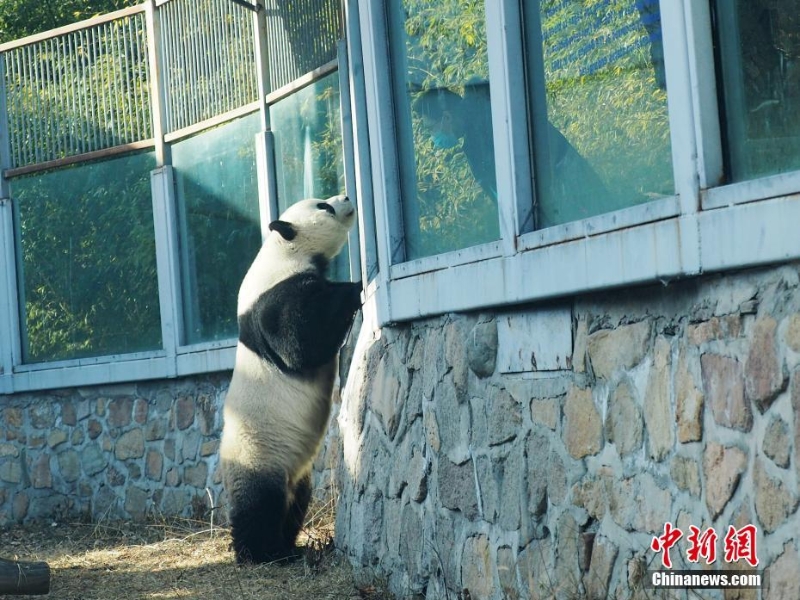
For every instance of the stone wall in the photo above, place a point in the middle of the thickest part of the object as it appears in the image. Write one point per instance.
(681, 404)
(115, 452)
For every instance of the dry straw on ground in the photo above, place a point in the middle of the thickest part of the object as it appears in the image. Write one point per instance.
(179, 559)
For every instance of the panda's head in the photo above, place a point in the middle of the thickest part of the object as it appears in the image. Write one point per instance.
(314, 227)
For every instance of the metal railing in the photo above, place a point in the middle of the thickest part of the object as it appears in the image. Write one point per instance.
(78, 89)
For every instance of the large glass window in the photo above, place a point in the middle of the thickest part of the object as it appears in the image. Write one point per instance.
(759, 55)
(598, 106)
(220, 234)
(444, 124)
(87, 263)
(309, 154)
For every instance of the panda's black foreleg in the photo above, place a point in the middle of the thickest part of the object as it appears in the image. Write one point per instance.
(295, 517)
(257, 513)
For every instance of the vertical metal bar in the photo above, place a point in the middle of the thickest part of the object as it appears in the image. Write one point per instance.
(5, 130)
(12, 110)
(200, 94)
(144, 61)
(167, 260)
(226, 57)
(157, 97)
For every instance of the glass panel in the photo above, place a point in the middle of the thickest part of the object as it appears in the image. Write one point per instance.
(759, 48)
(599, 106)
(444, 124)
(87, 260)
(309, 155)
(217, 189)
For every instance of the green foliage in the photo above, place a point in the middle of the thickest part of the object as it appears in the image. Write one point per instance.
(20, 18)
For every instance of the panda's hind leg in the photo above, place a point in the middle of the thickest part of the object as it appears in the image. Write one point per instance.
(296, 515)
(257, 513)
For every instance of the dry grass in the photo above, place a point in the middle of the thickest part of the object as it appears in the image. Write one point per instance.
(179, 559)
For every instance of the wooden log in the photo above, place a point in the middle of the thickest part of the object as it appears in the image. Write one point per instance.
(24, 578)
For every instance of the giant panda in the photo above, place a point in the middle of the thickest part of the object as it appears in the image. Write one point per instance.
(292, 322)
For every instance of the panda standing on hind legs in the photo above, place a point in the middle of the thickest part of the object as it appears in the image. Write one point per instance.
(292, 322)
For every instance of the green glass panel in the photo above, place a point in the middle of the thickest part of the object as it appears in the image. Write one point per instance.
(444, 124)
(759, 47)
(220, 234)
(87, 262)
(599, 107)
(308, 150)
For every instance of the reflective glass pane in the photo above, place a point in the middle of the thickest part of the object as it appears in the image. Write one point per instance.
(87, 262)
(308, 146)
(759, 54)
(220, 234)
(599, 106)
(444, 124)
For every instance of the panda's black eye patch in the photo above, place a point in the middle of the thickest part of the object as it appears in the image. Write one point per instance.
(326, 206)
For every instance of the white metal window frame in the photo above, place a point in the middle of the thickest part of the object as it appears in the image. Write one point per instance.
(704, 227)
(174, 359)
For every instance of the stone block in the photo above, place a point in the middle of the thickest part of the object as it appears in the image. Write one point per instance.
(536, 567)
(56, 437)
(136, 502)
(777, 442)
(457, 487)
(482, 348)
(19, 506)
(590, 494)
(130, 445)
(782, 578)
(723, 386)
(141, 409)
(716, 328)
(689, 403)
(41, 473)
(604, 555)
(13, 416)
(774, 501)
(504, 418)
(538, 451)
(211, 447)
(476, 568)
(42, 415)
(764, 376)
(453, 421)
(196, 475)
(546, 412)
(622, 348)
(583, 428)
(155, 429)
(94, 428)
(624, 425)
(119, 412)
(412, 545)
(388, 393)
(93, 459)
(69, 465)
(658, 418)
(154, 465)
(11, 471)
(685, 472)
(792, 335)
(184, 412)
(8, 450)
(69, 415)
(579, 347)
(506, 573)
(722, 467)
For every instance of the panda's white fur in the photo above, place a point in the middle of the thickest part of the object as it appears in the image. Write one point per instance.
(292, 321)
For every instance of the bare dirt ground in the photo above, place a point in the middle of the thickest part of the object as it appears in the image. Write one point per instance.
(179, 559)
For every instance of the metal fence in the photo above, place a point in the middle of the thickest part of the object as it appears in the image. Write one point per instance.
(78, 92)
(87, 88)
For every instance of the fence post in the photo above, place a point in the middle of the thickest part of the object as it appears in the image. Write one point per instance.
(158, 92)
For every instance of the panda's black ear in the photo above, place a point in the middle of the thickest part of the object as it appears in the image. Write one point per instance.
(287, 230)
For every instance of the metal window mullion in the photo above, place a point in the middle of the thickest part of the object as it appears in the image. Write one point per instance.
(167, 263)
(383, 162)
(509, 121)
(682, 125)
